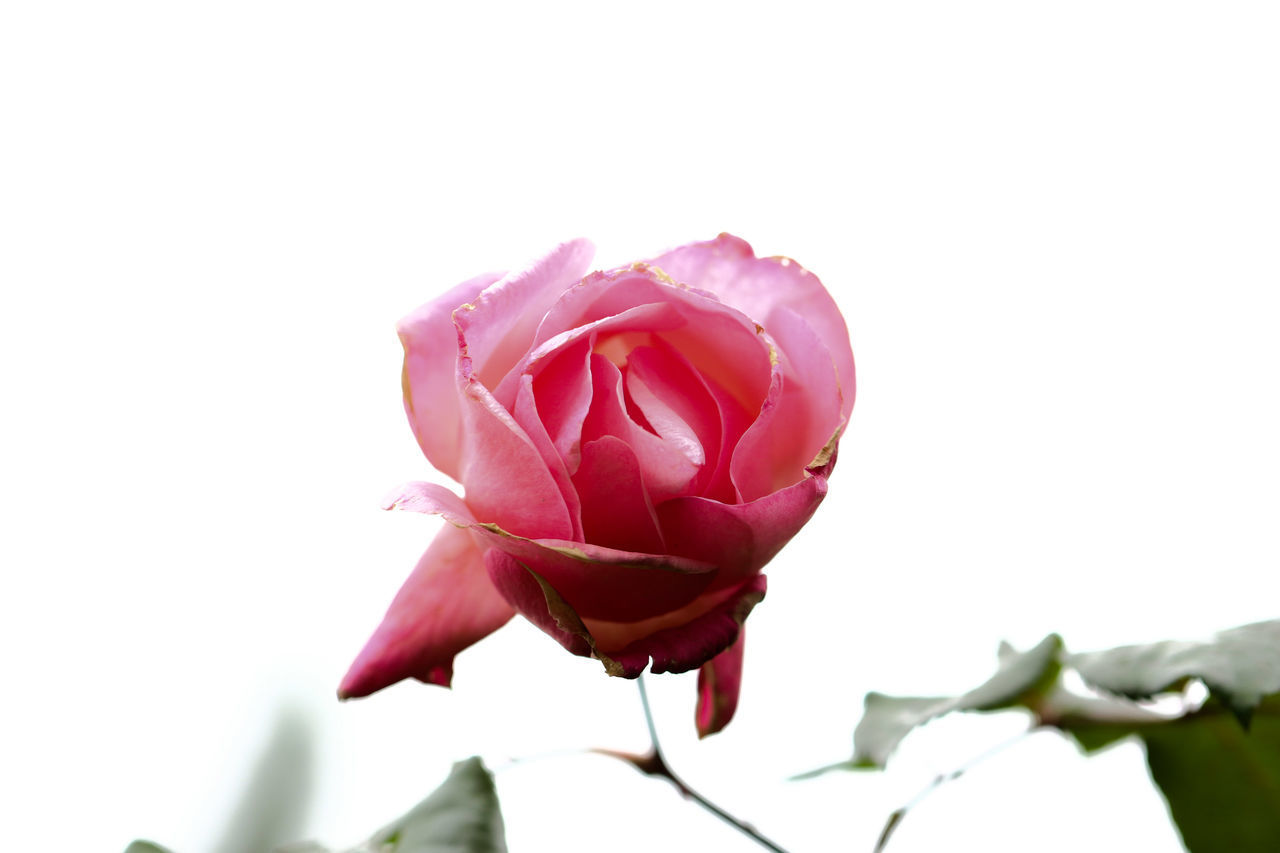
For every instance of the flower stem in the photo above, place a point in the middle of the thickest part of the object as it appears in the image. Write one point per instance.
(655, 764)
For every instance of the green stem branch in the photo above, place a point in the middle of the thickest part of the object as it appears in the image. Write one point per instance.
(655, 764)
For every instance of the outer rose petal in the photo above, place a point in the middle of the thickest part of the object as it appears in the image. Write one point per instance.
(729, 268)
(446, 605)
(742, 538)
(499, 324)
(430, 352)
(507, 308)
(685, 647)
(680, 648)
(719, 681)
(602, 583)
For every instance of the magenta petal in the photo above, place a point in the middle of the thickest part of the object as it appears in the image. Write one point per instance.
(616, 510)
(600, 583)
(727, 267)
(719, 681)
(688, 646)
(430, 356)
(742, 538)
(447, 604)
(607, 584)
(536, 601)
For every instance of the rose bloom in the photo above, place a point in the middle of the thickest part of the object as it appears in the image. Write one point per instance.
(634, 445)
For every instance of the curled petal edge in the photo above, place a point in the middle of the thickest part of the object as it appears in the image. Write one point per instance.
(677, 649)
(601, 583)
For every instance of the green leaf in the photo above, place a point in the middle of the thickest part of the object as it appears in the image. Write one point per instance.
(1222, 782)
(461, 816)
(1239, 667)
(1218, 767)
(141, 846)
(1020, 678)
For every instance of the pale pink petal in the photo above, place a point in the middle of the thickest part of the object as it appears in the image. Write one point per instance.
(499, 324)
(727, 267)
(507, 482)
(719, 681)
(430, 355)
(616, 510)
(718, 339)
(447, 604)
(635, 325)
(809, 411)
(430, 499)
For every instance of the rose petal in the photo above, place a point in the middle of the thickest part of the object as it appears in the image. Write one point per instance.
(447, 604)
(810, 407)
(680, 648)
(526, 414)
(678, 400)
(742, 538)
(718, 339)
(729, 268)
(507, 482)
(752, 468)
(719, 681)
(690, 645)
(667, 472)
(538, 602)
(562, 391)
(600, 583)
(430, 355)
(499, 324)
(616, 510)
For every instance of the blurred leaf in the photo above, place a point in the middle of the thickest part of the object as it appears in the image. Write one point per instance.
(1239, 666)
(461, 816)
(141, 846)
(274, 804)
(1021, 677)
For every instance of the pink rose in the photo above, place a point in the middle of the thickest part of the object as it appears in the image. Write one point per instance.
(635, 445)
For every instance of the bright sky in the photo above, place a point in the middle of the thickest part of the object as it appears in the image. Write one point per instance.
(1051, 227)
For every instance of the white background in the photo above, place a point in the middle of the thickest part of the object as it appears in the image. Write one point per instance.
(1051, 227)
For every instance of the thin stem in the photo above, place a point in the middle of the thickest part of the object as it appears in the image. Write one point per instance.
(896, 817)
(655, 764)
